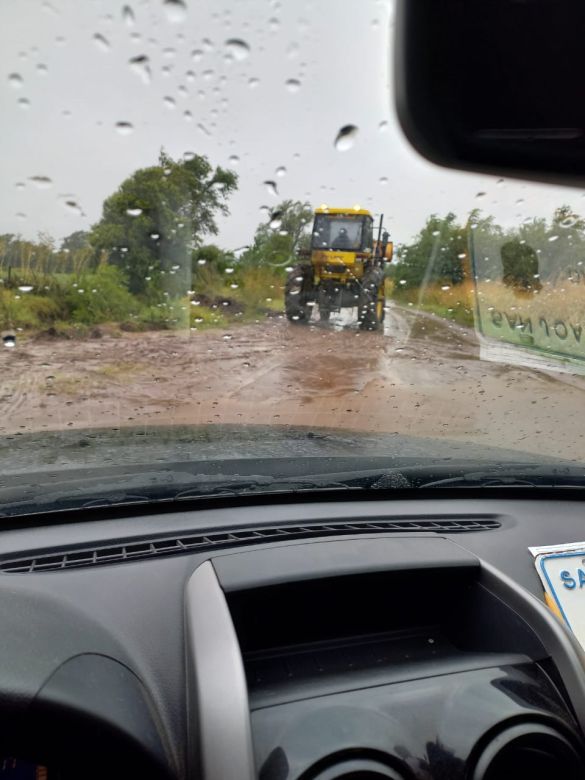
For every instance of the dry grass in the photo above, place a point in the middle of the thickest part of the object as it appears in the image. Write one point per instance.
(566, 301)
(260, 288)
(452, 302)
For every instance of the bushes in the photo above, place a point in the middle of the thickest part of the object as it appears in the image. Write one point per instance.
(64, 303)
(260, 288)
(87, 299)
(27, 311)
(453, 302)
(101, 297)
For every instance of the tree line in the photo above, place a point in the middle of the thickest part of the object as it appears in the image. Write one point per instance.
(151, 247)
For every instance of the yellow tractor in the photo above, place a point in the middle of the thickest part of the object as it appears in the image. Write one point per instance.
(344, 268)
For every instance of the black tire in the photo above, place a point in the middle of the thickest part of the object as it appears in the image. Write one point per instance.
(372, 302)
(298, 293)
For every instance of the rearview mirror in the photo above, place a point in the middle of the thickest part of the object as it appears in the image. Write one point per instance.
(494, 86)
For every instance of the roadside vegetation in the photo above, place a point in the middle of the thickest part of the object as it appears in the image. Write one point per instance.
(150, 261)
(435, 272)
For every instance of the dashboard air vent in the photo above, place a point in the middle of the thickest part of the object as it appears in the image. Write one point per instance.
(141, 548)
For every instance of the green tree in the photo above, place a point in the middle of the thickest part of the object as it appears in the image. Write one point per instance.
(278, 239)
(158, 216)
(436, 254)
(75, 241)
(209, 255)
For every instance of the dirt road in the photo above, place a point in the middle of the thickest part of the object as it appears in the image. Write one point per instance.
(422, 377)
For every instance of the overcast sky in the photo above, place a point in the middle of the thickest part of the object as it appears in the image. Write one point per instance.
(63, 91)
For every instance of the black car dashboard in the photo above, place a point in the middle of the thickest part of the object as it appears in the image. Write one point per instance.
(325, 640)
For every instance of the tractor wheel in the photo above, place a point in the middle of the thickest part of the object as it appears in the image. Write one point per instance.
(372, 301)
(298, 293)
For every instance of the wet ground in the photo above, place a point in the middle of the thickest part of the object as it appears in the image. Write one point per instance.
(421, 377)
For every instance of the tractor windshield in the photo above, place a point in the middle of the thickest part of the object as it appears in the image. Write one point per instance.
(340, 232)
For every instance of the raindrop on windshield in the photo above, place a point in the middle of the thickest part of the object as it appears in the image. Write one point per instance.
(188, 116)
(253, 82)
(345, 138)
(383, 180)
(73, 207)
(292, 50)
(271, 187)
(101, 42)
(552, 238)
(170, 102)
(124, 128)
(275, 220)
(237, 48)
(436, 233)
(24, 102)
(446, 287)
(234, 159)
(568, 221)
(293, 85)
(9, 340)
(176, 11)
(42, 182)
(128, 15)
(20, 185)
(140, 65)
(155, 236)
(383, 126)
(196, 55)
(15, 80)
(25, 288)
(134, 212)
(281, 171)
(42, 69)
(274, 24)
(479, 195)
(190, 76)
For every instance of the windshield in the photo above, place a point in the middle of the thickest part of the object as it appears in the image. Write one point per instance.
(344, 233)
(167, 328)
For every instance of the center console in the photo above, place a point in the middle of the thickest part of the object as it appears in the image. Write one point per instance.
(377, 658)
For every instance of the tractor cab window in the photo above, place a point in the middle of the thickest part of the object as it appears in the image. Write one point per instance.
(341, 233)
(368, 234)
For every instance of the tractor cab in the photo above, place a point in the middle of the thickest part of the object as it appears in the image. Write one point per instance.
(337, 230)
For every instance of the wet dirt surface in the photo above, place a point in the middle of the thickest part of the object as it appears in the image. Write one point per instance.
(421, 377)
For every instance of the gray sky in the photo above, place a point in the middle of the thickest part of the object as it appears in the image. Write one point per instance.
(60, 120)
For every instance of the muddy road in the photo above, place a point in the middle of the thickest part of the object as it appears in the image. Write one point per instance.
(421, 377)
